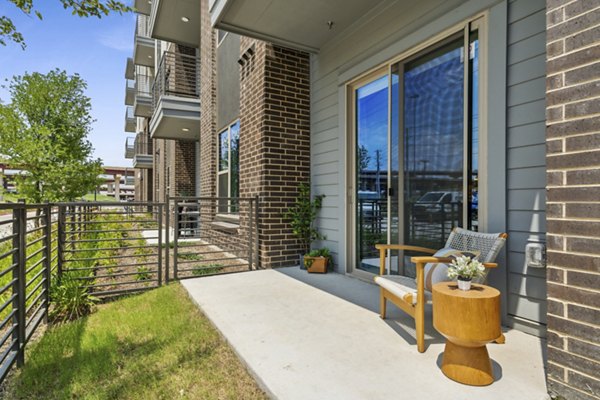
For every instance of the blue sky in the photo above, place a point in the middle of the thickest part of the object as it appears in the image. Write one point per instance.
(95, 48)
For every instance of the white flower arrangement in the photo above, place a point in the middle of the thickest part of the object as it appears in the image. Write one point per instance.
(465, 268)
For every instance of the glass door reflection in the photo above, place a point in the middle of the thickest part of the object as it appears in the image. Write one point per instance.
(371, 172)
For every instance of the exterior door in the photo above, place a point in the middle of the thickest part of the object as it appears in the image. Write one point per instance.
(416, 152)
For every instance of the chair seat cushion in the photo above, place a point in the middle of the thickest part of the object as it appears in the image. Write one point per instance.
(401, 286)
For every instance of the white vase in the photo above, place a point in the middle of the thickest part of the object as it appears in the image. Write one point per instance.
(464, 285)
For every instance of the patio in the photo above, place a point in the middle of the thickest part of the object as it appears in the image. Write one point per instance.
(320, 337)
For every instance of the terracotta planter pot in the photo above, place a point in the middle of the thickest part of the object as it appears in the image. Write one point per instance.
(317, 264)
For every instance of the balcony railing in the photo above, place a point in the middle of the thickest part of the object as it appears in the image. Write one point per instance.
(142, 27)
(129, 147)
(130, 122)
(129, 92)
(142, 144)
(143, 85)
(177, 75)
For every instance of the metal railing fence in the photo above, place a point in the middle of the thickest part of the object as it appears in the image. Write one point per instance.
(143, 85)
(212, 235)
(177, 75)
(26, 252)
(142, 26)
(142, 144)
(110, 249)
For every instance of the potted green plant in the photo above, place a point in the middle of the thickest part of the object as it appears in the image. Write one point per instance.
(302, 216)
(464, 269)
(318, 260)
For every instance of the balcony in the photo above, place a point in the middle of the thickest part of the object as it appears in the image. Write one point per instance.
(129, 147)
(142, 103)
(142, 153)
(143, 51)
(129, 69)
(142, 6)
(176, 21)
(130, 122)
(175, 98)
(290, 23)
(129, 92)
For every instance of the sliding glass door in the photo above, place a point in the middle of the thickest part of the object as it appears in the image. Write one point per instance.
(416, 151)
(372, 131)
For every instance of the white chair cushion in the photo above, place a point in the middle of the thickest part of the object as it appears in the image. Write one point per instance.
(401, 286)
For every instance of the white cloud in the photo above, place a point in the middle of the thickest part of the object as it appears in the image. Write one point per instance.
(119, 37)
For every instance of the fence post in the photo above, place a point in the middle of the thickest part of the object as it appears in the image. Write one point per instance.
(257, 218)
(60, 242)
(167, 240)
(19, 258)
(160, 220)
(48, 256)
(250, 229)
(175, 238)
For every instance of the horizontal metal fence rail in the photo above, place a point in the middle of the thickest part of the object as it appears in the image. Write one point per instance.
(25, 274)
(111, 248)
(142, 144)
(177, 75)
(212, 235)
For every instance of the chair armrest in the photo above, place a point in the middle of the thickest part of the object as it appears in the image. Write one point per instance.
(424, 250)
(424, 260)
(385, 247)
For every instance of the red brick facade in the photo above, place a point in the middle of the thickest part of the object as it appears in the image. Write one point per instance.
(274, 141)
(573, 198)
(208, 90)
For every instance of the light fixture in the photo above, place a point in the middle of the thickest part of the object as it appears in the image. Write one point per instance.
(150, 57)
(185, 129)
(185, 19)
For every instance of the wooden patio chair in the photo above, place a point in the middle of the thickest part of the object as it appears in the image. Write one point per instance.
(411, 294)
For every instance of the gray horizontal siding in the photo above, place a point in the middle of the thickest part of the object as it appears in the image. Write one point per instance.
(526, 155)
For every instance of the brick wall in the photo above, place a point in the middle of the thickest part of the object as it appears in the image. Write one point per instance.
(208, 93)
(183, 175)
(274, 141)
(573, 198)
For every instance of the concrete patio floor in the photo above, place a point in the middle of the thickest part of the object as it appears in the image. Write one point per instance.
(320, 337)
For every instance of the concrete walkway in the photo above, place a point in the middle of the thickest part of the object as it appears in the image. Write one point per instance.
(320, 337)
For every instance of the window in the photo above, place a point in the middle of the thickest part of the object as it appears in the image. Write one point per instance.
(228, 172)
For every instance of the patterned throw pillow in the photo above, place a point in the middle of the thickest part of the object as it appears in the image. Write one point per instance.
(438, 272)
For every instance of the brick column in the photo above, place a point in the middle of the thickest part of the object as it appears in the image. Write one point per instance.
(183, 168)
(208, 106)
(274, 141)
(573, 198)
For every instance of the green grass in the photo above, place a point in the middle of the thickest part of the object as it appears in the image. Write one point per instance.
(99, 197)
(152, 346)
(207, 269)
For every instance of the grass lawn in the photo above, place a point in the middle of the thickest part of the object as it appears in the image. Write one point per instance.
(99, 197)
(152, 346)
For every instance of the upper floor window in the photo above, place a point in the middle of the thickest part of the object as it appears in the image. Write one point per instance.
(228, 173)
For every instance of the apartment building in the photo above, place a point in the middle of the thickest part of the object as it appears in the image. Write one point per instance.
(217, 114)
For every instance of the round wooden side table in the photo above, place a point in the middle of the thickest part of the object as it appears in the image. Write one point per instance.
(468, 320)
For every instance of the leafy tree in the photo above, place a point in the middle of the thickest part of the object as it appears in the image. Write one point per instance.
(363, 158)
(81, 8)
(44, 131)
